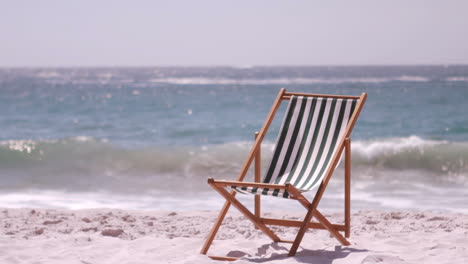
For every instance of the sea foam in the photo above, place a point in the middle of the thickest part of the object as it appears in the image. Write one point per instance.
(85, 163)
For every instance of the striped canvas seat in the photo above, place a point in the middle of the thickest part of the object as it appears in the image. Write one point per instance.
(309, 136)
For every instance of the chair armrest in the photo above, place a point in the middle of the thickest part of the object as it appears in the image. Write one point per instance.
(212, 181)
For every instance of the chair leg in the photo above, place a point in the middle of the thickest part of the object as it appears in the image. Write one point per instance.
(300, 234)
(258, 223)
(311, 212)
(347, 190)
(257, 169)
(323, 220)
(215, 228)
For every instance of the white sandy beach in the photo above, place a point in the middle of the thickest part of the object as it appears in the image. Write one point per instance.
(117, 236)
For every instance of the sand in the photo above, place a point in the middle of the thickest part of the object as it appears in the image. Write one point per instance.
(101, 236)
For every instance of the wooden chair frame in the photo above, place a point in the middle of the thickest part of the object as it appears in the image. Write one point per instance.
(311, 207)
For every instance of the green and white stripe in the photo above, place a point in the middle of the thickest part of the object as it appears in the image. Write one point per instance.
(309, 136)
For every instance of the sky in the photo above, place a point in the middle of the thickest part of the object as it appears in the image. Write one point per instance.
(50, 33)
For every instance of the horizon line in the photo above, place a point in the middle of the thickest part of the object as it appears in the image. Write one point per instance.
(240, 66)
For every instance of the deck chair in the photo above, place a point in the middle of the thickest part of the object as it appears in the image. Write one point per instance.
(313, 136)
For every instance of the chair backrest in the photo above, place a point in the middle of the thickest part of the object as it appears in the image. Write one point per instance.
(310, 134)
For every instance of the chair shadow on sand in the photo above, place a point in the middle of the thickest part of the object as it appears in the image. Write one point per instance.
(321, 256)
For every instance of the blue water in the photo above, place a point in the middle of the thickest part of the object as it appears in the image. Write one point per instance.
(138, 132)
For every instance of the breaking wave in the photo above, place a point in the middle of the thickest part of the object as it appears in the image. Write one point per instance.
(89, 164)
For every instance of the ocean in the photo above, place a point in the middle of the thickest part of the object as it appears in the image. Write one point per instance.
(148, 138)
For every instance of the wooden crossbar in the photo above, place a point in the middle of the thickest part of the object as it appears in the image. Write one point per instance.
(295, 223)
(289, 94)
